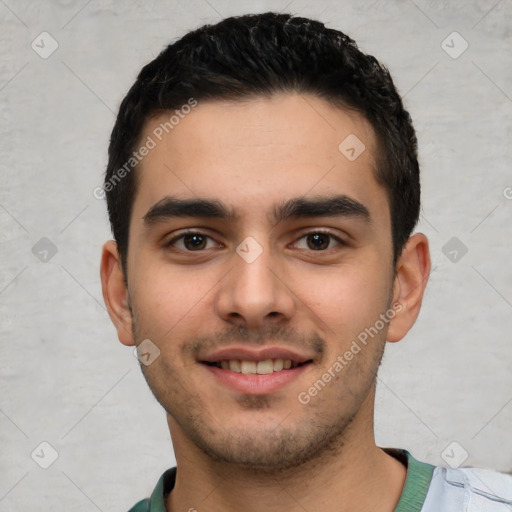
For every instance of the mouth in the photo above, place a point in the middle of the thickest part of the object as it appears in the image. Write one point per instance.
(266, 367)
(262, 377)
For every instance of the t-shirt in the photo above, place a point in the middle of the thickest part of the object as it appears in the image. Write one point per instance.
(427, 488)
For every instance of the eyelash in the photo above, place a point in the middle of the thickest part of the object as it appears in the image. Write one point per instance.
(170, 243)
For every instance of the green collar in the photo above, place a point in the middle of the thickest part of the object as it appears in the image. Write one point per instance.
(164, 486)
(417, 482)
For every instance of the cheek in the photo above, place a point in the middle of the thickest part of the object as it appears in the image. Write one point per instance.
(167, 299)
(345, 300)
(162, 298)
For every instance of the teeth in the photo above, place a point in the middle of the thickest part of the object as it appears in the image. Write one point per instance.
(265, 367)
(278, 365)
(248, 367)
(253, 367)
(234, 366)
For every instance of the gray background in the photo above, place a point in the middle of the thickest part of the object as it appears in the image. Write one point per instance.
(67, 381)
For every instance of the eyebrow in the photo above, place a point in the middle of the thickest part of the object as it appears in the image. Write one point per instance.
(295, 208)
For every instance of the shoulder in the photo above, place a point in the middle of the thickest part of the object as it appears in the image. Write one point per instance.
(141, 506)
(156, 502)
(469, 489)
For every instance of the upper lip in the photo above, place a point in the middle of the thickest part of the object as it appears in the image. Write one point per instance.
(254, 354)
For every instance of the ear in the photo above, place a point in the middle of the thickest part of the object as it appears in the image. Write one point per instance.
(412, 272)
(115, 293)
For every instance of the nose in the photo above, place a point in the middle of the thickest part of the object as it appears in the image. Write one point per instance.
(255, 292)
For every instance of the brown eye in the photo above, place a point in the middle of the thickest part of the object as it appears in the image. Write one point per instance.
(190, 242)
(319, 241)
(194, 242)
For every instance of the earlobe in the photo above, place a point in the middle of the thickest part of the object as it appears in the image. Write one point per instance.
(115, 293)
(413, 270)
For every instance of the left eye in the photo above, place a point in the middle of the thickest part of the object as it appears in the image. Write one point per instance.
(320, 241)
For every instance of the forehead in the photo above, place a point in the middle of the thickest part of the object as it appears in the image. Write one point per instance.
(255, 153)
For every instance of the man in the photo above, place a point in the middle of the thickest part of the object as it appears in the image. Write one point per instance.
(262, 187)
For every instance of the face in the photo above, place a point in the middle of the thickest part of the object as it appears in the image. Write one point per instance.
(256, 245)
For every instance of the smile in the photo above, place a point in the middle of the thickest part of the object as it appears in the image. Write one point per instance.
(256, 367)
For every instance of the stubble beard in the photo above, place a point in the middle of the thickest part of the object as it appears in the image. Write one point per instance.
(266, 449)
(270, 449)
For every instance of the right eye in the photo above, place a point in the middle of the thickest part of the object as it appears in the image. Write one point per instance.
(190, 241)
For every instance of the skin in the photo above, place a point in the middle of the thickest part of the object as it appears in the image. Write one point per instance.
(267, 452)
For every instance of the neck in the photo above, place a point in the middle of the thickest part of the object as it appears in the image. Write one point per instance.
(354, 475)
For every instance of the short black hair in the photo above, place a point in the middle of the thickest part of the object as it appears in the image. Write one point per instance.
(260, 55)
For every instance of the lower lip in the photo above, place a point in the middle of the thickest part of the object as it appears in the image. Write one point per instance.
(255, 384)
